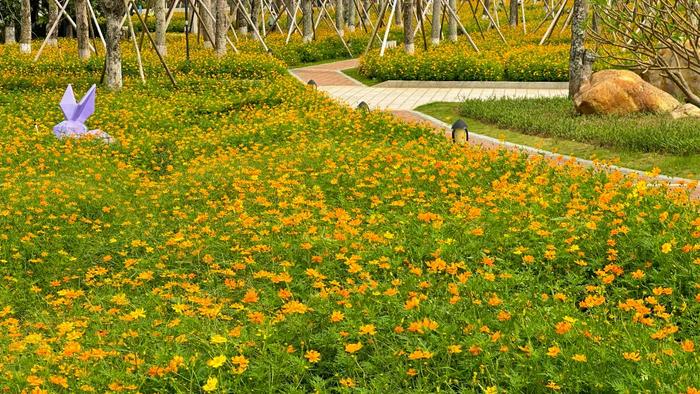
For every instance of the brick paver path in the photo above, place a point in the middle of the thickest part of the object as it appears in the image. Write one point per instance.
(402, 102)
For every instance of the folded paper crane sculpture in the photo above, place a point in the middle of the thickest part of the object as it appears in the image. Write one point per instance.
(76, 114)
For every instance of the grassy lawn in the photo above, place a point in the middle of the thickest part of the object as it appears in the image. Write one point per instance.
(687, 166)
(355, 73)
(245, 233)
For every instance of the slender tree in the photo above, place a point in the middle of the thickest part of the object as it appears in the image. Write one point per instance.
(351, 15)
(435, 31)
(205, 8)
(408, 36)
(161, 25)
(577, 56)
(53, 16)
(25, 38)
(241, 22)
(255, 8)
(365, 14)
(114, 12)
(339, 16)
(307, 20)
(513, 15)
(221, 26)
(452, 22)
(82, 23)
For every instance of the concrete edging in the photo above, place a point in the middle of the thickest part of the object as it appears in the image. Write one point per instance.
(551, 155)
(473, 84)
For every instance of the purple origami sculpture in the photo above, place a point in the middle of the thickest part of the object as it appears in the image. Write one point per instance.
(76, 114)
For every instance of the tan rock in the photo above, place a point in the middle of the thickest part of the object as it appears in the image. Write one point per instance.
(621, 92)
(686, 111)
(655, 78)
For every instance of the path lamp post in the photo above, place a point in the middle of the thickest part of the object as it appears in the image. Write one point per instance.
(312, 84)
(460, 133)
(363, 106)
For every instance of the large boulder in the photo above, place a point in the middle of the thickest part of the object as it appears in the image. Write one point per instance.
(656, 78)
(621, 92)
(686, 111)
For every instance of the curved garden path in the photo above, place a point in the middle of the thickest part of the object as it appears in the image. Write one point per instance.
(401, 98)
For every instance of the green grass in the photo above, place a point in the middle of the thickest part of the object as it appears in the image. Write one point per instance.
(687, 166)
(355, 74)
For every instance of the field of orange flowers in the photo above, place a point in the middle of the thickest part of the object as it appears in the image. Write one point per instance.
(246, 234)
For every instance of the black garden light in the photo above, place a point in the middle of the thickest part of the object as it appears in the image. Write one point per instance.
(312, 84)
(460, 133)
(363, 106)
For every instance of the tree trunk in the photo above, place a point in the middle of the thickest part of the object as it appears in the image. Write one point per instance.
(241, 21)
(437, 22)
(25, 37)
(114, 11)
(487, 4)
(161, 21)
(221, 24)
(53, 16)
(339, 17)
(578, 51)
(307, 19)
(513, 15)
(351, 15)
(452, 25)
(398, 16)
(255, 13)
(408, 41)
(10, 34)
(82, 28)
(207, 21)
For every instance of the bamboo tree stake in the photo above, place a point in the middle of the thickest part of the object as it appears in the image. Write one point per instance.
(493, 22)
(70, 20)
(136, 45)
(388, 27)
(51, 30)
(331, 22)
(380, 18)
(97, 25)
(549, 31)
(255, 28)
(522, 11)
(209, 34)
(476, 19)
(155, 47)
(446, 5)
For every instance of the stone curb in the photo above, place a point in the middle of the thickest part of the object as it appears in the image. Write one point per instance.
(551, 155)
(473, 84)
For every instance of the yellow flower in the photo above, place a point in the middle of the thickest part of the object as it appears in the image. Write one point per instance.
(580, 358)
(217, 361)
(553, 351)
(353, 347)
(218, 339)
(211, 385)
(368, 329)
(454, 349)
(313, 356)
(666, 248)
(632, 356)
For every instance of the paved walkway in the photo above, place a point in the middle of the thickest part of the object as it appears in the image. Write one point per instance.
(331, 80)
(402, 101)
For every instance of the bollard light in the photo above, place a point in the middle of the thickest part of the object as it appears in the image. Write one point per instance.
(312, 83)
(460, 133)
(363, 106)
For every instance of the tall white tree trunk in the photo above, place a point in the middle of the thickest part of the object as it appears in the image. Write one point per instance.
(114, 11)
(351, 15)
(255, 13)
(10, 34)
(241, 20)
(25, 37)
(207, 21)
(339, 16)
(452, 25)
(398, 16)
(53, 15)
(437, 22)
(82, 26)
(307, 20)
(577, 56)
(161, 20)
(221, 25)
(408, 40)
